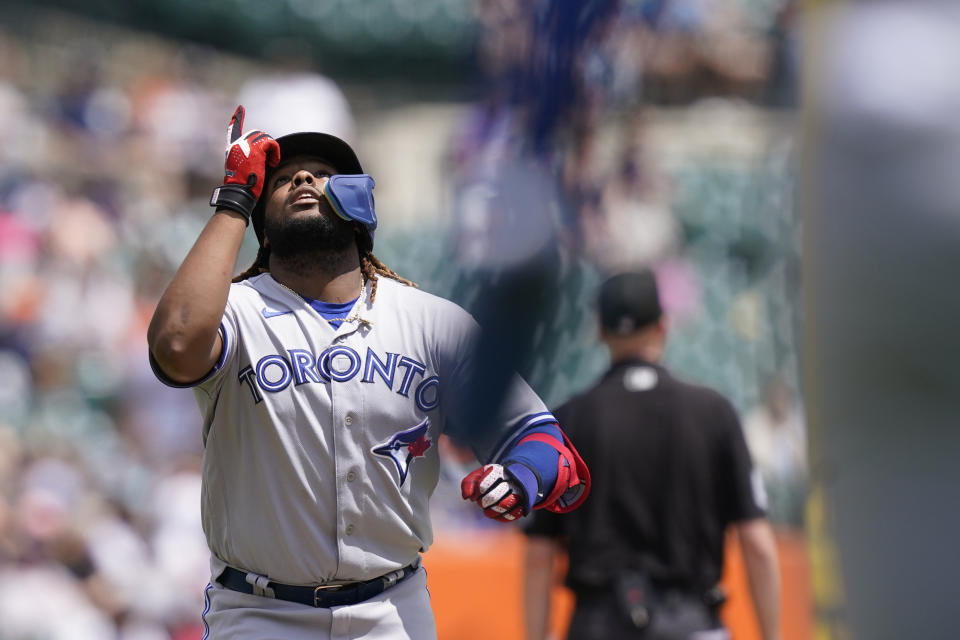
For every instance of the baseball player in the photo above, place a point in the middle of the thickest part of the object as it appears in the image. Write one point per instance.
(324, 380)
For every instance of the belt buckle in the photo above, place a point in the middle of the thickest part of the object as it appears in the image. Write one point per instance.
(323, 587)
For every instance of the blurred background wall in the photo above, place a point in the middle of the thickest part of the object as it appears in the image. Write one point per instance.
(661, 133)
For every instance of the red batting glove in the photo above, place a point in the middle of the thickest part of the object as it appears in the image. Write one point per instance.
(497, 492)
(245, 167)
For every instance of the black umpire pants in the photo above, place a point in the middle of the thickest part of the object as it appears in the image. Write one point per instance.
(678, 616)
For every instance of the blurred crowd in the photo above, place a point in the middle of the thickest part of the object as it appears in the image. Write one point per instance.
(567, 85)
(107, 158)
(102, 173)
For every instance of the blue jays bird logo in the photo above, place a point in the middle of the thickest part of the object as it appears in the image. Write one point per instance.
(404, 446)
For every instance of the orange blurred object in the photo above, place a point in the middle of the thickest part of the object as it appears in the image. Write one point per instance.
(475, 582)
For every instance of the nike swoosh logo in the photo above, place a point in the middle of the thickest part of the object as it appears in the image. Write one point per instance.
(270, 314)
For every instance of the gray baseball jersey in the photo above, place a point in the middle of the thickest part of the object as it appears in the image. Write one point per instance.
(320, 443)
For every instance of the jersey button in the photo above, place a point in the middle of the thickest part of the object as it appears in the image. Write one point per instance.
(348, 420)
(349, 530)
(351, 476)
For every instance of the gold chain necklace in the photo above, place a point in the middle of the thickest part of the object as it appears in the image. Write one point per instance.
(353, 316)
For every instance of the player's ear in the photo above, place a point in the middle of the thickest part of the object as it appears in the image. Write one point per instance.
(602, 332)
(663, 325)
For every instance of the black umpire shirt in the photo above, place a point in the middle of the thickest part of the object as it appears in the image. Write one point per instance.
(670, 470)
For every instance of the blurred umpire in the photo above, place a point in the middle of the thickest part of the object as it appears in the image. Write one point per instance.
(671, 473)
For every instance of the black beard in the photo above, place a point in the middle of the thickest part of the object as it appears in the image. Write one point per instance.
(309, 241)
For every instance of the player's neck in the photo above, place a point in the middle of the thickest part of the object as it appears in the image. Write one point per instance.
(337, 281)
(647, 344)
(646, 350)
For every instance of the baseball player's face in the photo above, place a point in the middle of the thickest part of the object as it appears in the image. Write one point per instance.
(298, 219)
(296, 186)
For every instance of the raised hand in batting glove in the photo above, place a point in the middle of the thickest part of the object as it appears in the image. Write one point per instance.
(497, 491)
(247, 157)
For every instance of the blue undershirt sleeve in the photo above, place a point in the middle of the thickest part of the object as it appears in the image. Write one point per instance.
(534, 464)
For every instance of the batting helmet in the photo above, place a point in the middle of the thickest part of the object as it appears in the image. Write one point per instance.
(332, 150)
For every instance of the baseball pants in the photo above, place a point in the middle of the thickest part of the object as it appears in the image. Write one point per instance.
(401, 612)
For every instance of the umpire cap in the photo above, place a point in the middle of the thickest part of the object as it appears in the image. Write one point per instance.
(629, 301)
(309, 143)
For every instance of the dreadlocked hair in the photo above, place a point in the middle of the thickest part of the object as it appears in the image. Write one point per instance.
(259, 265)
(370, 265)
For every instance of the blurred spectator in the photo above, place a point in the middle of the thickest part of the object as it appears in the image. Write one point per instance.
(777, 438)
(639, 225)
(276, 102)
